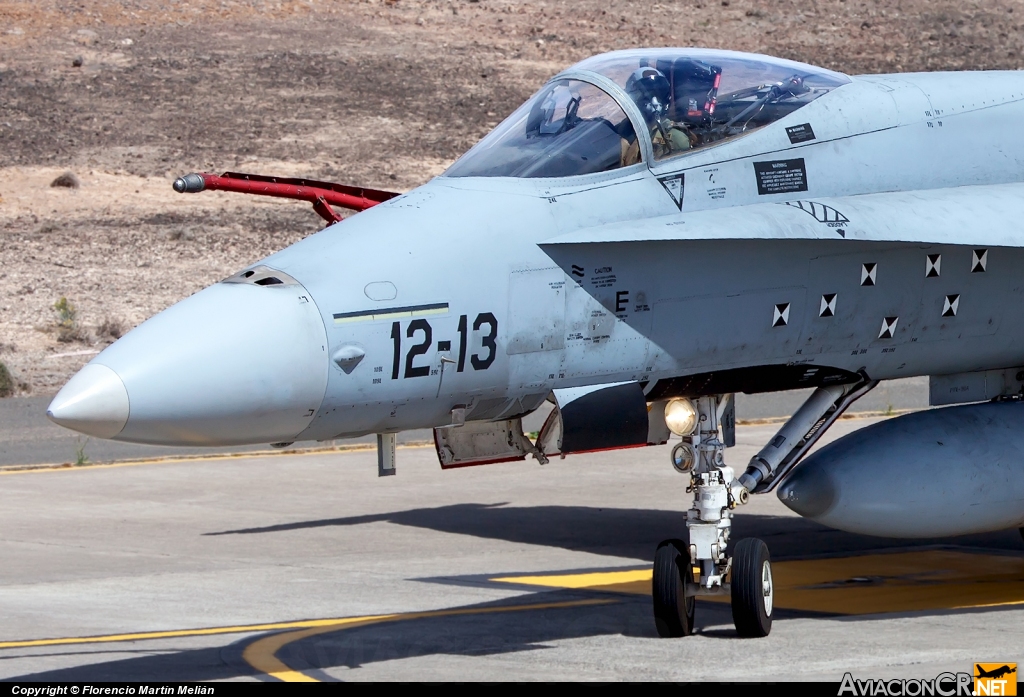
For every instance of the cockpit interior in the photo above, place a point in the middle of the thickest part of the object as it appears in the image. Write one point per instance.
(687, 99)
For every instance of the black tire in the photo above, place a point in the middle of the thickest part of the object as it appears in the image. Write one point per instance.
(1021, 531)
(753, 592)
(673, 611)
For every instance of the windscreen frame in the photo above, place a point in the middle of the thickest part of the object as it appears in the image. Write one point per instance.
(622, 100)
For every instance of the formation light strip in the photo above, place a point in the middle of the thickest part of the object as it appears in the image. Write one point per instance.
(392, 313)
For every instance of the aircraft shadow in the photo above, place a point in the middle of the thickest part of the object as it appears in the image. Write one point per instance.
(210, 663)
(489, 634)
(631, 533)
(490, 629)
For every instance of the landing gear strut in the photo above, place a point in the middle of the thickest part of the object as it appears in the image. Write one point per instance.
(700, 565)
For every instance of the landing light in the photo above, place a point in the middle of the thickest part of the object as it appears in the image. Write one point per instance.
(684, 457)
(681, 417)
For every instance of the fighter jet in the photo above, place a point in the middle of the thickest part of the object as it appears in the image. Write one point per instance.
(650, 233)
(995, 673)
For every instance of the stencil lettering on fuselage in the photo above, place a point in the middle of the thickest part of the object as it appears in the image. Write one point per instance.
(800, 134)
(597, 342)
(780, 176)
(714, 183)
(603, 277)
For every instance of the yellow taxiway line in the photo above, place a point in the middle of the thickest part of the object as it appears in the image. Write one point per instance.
(261, 654)
(866, 584)
(173, 633)
(66, 467)
(861, 584)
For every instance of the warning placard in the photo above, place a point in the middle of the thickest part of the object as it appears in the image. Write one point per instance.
(800, 134)
(780, 176)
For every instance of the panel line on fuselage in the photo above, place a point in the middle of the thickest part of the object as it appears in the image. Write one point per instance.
(391, 313)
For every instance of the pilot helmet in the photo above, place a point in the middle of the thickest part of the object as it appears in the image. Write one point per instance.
(650, 89)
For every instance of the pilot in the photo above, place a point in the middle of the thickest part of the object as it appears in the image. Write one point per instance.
(650, 89)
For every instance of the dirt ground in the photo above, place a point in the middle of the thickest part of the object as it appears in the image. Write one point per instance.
(128, 94)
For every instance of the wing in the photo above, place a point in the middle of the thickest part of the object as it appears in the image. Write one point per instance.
(968, 215)
(833, 280)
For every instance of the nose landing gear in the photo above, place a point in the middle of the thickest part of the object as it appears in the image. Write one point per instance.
(700, 566)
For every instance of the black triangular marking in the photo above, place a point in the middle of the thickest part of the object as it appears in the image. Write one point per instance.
(828, 305)
(933, 266)
(950, 305)
(780, 317)
(867, 273)
(979, 261)
(674, 186)
(888, 327)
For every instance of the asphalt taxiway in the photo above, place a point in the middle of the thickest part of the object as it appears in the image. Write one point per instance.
(310, 567)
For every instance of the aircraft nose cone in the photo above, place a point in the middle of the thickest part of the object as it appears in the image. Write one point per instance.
(235, 363)
(94, 402)
(809, 491)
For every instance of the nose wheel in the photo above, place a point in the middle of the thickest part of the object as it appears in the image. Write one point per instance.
(753, 591)
(673, 608)
(674, 591)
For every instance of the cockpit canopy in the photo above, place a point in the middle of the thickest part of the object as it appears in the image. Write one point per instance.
(570, 127)
(688, 99)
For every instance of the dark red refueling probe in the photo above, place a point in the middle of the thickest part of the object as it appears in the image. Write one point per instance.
(321, 194)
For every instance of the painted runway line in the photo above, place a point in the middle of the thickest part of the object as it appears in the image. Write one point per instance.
(9, 470)
(262, 653)
(868, 584)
